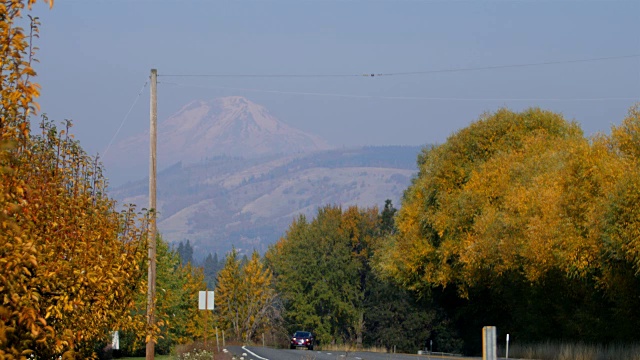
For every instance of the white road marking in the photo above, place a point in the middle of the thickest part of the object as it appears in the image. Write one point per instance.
(252, 353)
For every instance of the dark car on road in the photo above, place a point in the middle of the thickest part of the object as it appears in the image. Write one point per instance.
(302, 339)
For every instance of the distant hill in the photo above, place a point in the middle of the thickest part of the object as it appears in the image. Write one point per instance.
(250, 202)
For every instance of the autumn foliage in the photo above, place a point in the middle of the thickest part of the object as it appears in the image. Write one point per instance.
(523, 210)
(246, 301)
(69, 263)
(518, 220)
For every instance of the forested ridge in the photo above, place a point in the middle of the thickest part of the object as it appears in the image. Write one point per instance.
(518, 220)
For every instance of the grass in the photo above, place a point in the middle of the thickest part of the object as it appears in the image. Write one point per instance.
(352, 348)
(573, 351)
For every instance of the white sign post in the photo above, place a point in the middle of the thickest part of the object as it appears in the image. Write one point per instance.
(507, 355)
(489, 343)
(115, 340)
(205, 302)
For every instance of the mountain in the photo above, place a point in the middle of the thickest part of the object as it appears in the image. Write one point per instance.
(240, 176)
(229, 126)
(250, 202)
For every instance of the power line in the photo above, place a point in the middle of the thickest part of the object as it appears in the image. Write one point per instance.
(425, 72)
(125, 118)
(397, 97)
(267, 75)
(513, 66)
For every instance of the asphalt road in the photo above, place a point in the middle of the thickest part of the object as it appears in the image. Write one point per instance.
(265, 353)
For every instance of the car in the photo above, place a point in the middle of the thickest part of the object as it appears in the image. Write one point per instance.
(302, 339)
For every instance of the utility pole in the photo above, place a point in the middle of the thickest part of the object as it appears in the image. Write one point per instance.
(151, 294)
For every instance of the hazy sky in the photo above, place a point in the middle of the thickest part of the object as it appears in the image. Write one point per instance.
(96, 55)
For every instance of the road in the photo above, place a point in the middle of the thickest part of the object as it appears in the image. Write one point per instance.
(265, 353)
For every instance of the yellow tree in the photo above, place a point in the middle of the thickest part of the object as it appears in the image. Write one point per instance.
(229, 294)
(69, 263)
(258, 308)
(487, 199)
(622, 214)
(17, 91)
(246, 301)
(17, 252)
(87, 255)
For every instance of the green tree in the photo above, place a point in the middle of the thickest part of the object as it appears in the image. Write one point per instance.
(186, 252)
(396, 318)
(317, 279)
(327, 276)
(177, 288)
(178, 284)
(211, 268)
(322, 271)
(387, 225)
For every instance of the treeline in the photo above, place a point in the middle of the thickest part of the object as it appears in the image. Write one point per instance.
(210, 265)
(320, 277)
(517, 221)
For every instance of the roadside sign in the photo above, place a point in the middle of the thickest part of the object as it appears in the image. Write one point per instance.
(115, 340)
(205, 300)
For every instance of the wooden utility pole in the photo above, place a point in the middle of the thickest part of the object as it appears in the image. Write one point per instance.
(151, 294)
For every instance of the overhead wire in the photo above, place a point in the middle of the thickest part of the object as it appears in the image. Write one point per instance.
(425, 98)
(125, 118)
(424, 72)
(376, 75)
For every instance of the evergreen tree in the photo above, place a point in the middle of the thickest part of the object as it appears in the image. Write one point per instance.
(210, 268)
(387, 225)
(185, 251)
